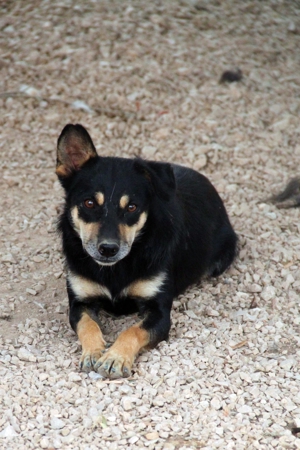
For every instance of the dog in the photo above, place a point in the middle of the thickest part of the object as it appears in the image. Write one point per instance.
(135, 235)
(289, 197)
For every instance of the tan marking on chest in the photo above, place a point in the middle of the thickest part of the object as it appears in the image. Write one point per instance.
(84, 288)
(145, 288)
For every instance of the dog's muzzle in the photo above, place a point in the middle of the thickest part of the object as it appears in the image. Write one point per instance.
(107, 252)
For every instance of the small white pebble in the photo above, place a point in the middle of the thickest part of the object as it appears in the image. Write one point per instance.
(44, 442)
(268, 293)
(56, 423)
(8, 432)
(133, 440)
(287, 364)
(148, 151)
(215, 403)
(245, 409)
(152, 436)
(31, 291)
(8, 258)
(25, 355)
(73, 376)
(94, 375)
(126, 403)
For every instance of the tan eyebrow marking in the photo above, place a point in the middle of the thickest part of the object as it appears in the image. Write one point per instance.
(100, 198)
(124, 200)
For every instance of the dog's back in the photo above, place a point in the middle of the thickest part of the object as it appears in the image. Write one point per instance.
(208, 243)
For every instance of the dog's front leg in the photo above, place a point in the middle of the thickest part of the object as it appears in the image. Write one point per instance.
(91, 339)
(117, 361)
(83, 319)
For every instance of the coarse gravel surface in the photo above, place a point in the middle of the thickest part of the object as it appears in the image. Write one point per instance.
(143, 77)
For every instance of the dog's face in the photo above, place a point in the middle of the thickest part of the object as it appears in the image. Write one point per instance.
(108, 199)
(108, 208)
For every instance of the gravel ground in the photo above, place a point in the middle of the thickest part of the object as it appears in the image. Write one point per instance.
(143, 77)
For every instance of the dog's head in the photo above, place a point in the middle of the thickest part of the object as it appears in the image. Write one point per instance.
(108, 199)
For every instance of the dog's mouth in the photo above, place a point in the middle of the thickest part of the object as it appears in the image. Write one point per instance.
(105, 262)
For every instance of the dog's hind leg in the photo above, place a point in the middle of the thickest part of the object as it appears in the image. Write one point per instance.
(225, 252)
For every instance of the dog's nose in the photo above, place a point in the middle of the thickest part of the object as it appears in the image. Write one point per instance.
(108, 249)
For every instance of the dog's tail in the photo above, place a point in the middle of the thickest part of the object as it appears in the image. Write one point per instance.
(290, 196)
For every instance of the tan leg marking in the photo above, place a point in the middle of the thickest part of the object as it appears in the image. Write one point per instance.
(100, 198)
(117, 361)
(92, 342)
(124, 200)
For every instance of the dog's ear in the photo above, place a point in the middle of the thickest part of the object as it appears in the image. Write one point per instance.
(74, 148)
(160, 176)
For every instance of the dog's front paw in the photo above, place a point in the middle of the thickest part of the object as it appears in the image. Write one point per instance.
(114, 364)
(89, 358)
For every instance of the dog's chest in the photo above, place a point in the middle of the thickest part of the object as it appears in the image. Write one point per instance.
(145, 288)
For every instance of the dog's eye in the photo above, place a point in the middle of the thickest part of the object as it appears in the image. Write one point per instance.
(131, 207)
(89, 203)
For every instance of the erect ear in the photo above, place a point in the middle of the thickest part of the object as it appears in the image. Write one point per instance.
(74, 148)
(160, 175)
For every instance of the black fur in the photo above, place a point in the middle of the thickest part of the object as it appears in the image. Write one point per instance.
(290, 196)
(187, 234)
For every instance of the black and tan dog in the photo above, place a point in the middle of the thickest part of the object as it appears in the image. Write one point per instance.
(135, 235)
